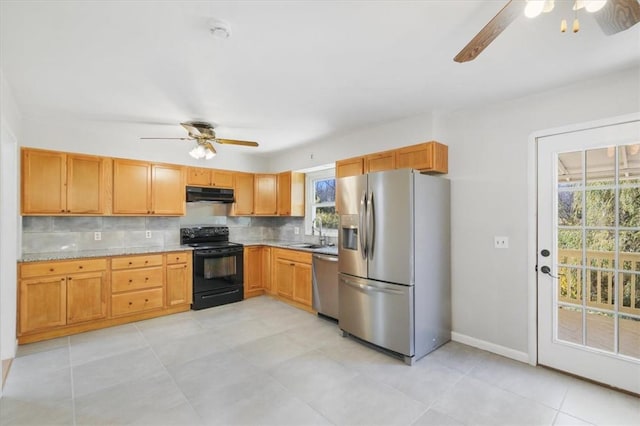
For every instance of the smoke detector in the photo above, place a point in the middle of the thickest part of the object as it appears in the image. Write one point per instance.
(219, 29)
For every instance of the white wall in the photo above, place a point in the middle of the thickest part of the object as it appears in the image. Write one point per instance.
(408, 131)
(9, 219)
(488, 169)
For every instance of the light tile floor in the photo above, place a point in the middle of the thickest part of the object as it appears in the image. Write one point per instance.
(263, 362)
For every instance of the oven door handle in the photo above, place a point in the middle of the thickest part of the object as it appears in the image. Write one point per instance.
(209, 296)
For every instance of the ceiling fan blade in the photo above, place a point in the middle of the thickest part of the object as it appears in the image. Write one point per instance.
(178, 139)
(236, 142)
(618, 15)
(490, 31)
(192, 130)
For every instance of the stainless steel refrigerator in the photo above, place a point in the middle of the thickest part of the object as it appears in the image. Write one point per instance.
(394, 260)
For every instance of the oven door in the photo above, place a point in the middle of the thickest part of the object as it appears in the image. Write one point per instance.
(217, 270)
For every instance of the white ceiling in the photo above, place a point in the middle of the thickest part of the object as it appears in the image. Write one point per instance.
(291, 72)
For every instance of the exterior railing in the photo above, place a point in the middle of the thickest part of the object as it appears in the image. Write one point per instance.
(601, 282)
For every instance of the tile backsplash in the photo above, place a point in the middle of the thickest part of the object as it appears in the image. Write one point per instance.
(46, 234)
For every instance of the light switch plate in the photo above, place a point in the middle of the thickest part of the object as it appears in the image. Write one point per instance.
(147, 234)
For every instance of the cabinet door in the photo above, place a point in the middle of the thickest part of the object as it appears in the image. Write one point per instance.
(85, 184)
(222, 178)
(243, 193)
(86, 297)
(178, 289)
(302, 284)
(284, 194)
(131, 187)
(168, 192)
(284, 276)
(43, 182)
(265, 195)
(43, 303)
(429, 156)
(253, 271)
(349, 167)
(291, 194)
(380, 161)
(198, 176)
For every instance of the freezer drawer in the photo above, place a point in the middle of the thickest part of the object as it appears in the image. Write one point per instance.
(377, 312)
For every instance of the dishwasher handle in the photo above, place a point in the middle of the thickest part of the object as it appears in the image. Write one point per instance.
(328, 258)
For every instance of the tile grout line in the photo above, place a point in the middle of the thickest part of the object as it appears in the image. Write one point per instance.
(73, 394)
(164, 367)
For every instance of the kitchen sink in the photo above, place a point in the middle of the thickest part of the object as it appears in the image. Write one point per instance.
(305, 245)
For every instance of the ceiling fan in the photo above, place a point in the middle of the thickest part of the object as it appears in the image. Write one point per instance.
(613, 16)
(204, 134)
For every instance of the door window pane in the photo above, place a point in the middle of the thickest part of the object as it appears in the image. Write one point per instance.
(570, 324)
(569, 208)
(601, 249)
(630, 293)
(629, 336)
(570, 247)
(629, 251)
(629, 207)
(600, 205)
(601, 166)
(601, 288)
(570, 285)
(569, 170)
(629, 164)
(600, 330)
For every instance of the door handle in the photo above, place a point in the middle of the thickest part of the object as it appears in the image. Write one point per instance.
(546, 270)
(371, 226)
(370, 288)
(361, 225)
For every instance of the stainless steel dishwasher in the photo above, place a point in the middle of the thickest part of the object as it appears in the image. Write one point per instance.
(325, 284)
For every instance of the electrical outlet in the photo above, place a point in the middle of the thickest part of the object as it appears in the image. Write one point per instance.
(501, 242)
(97, 236)
(296, 230)
(147, 234)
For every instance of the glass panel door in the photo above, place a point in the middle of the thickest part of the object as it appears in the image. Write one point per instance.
(589, 253)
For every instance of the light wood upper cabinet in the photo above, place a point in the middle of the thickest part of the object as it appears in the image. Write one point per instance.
(429, 156)
(141, 188)
(60, 183)
(380, 161)
(350, 167)
(168, 192)
(265, 195)
(197, 176)
(290, 194)
(243, 193)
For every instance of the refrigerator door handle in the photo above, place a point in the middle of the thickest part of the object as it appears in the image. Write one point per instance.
(369, 288)
(361, 219)
(371, 225)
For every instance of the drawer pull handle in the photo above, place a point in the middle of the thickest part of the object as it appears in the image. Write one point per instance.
(146, 278)
(146, 261)
(130, 263)
(70, 278)
(130, 303)
(51, 269)
(80, 267)
(130, 281)
(146, 300)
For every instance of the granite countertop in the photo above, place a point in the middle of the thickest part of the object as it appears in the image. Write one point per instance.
(329, 250)
(67, 255)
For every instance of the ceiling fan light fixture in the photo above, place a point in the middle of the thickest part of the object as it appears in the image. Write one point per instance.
(198, 152)
(209, 154)
(534, 8)
(594, 5)
(548, 6)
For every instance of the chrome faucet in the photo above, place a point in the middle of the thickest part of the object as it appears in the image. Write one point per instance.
(323, 239)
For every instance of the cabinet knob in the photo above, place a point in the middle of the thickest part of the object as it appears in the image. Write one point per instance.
(130, 263)
(51, 269)
(130, 281)
(62, 279)
(62, 211)
(146, 278)
(130, 303)
(70, 278)
(80, 267)
(146, 300)
(146, 261)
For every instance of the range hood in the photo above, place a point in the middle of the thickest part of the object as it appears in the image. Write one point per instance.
(217, 195)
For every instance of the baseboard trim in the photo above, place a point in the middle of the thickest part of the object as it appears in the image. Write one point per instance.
(490, 347)
(6, 366)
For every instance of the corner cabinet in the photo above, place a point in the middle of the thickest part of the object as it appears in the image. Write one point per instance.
(59, 298)
(291, 274)
(141, 188)
(57, 183)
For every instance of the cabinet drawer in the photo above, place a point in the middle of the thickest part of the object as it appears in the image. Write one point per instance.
(136, 279)
(294, 255)
(39, 269)
(130, 262)
(179, 257)
(136, 301)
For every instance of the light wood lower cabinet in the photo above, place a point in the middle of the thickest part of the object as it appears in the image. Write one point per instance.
(254, 271)
(59, 298)
(291, 276)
